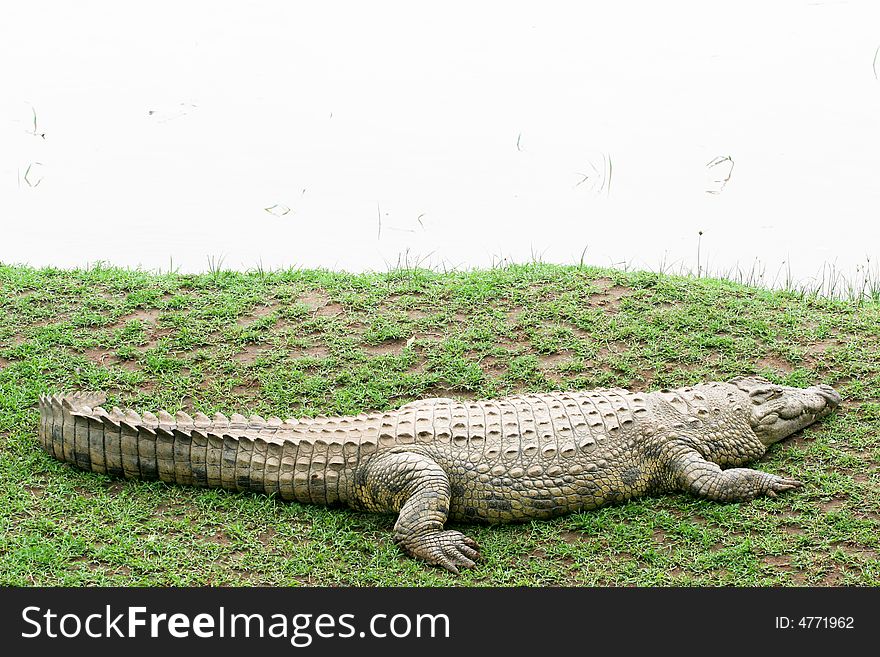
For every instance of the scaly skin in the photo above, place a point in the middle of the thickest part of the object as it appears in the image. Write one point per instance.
(507, 460)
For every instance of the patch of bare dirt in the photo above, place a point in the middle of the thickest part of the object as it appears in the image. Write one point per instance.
(315, 351)
(156, 335)
(165, 511)
(514, 315)
(106, 358)
(832, 505)
(3, 363)
(778, 561)
(492, 365)
(99, 356)
(801, 439)
(36, 491)
(401, 303)
(385, 348)
(832, 578)
(330, 310)
(863, 553)
(523, 346)
(616, 292)
(637, 385)
(218, 537)
(262, 311)
(572, 538)
(282, 325)
(429, 336)
(419, 367)
(646, 377)
(553, 361)
(82, 492)
(131, 366)
(48, 321)
(254, 315)
(775, 363)
(781, 563)
(609, 296)
(612, 348)
(580, 333)
(320, 304)
(265, 537)
(314, 299)
(249, 354)
(145, 315)
(187, 404)
(822, 346)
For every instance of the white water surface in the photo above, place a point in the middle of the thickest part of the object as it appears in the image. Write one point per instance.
(284, 133)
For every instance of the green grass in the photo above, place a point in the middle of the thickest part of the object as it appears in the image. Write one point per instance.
(299, 343)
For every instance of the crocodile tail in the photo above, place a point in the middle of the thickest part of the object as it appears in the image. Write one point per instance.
(236, 454)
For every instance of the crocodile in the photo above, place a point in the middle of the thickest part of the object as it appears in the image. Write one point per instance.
(518, 458)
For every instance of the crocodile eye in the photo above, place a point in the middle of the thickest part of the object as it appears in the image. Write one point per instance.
(763, 394)
(748, 383)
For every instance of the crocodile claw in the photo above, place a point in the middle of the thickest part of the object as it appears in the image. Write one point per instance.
(781, 484)
(449, 549)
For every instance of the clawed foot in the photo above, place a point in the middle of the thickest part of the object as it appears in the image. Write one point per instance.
(778, 484)
(450, 549)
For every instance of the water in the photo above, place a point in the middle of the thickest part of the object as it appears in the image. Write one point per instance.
(279, 134)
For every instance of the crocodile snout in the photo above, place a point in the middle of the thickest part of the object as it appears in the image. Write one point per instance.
(831, 396)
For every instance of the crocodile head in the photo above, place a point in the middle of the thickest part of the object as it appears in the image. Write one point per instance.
(779, 411)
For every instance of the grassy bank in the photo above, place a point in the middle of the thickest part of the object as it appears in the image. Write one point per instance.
(301, 343)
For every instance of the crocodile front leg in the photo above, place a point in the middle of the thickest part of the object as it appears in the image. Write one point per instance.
(416, 487)
(691, 472)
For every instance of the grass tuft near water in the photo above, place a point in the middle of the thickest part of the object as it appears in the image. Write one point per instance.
(299, 343)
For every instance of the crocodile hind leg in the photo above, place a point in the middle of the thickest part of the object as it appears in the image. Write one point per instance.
(706, 479)
(416, 487)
